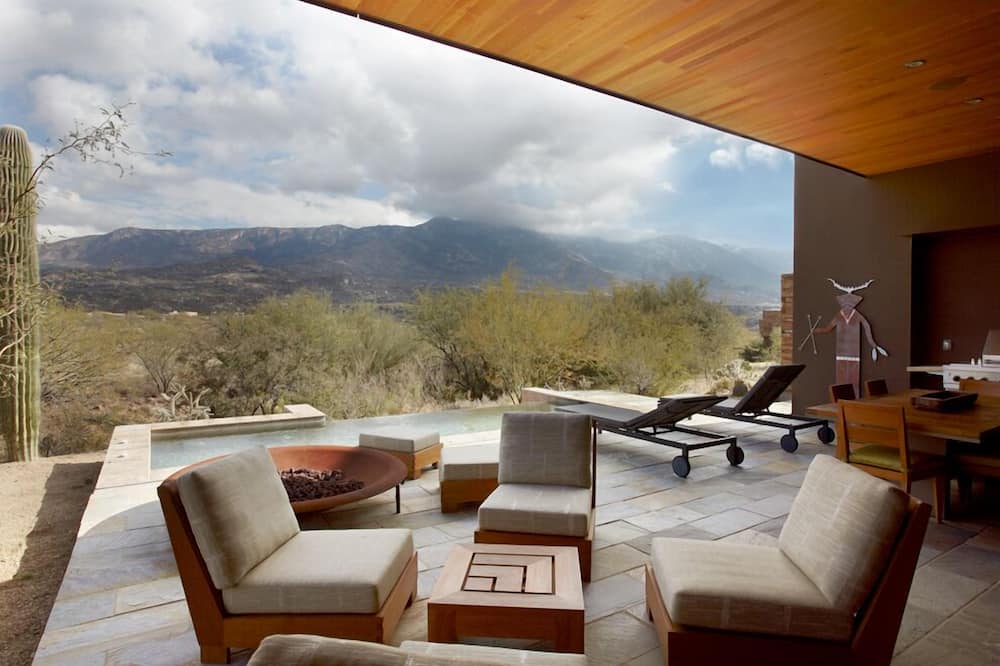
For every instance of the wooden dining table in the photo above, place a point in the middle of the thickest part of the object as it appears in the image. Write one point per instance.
(979, 425)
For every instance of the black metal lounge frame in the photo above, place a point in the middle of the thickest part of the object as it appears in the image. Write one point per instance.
(648, 426)
(754, 407)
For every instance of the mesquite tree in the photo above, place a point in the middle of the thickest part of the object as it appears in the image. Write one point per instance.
(19, 365)
(21, 299)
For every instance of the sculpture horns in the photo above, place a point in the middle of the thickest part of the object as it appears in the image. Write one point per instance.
(849, 290)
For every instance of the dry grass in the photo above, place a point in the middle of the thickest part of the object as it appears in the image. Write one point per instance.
(41, 504)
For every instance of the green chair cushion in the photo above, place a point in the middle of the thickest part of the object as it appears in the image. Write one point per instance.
(887, 457)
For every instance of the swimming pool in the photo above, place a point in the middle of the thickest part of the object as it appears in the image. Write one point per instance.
(186, 450)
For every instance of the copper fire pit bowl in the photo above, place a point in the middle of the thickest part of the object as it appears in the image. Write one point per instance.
(378, 470)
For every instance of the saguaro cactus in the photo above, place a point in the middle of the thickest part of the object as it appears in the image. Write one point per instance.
(19, 285)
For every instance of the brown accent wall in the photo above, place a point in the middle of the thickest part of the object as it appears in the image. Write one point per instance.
(852, 229)
(956, 294)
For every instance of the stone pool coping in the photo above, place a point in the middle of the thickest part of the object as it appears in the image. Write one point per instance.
(130, 450)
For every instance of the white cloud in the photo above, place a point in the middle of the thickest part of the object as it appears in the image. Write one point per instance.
(760, 153)
(206, 202)
(734, 152)
(726, 158)
(282, 113)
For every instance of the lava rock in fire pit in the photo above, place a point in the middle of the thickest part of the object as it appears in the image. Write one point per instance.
(309, 484)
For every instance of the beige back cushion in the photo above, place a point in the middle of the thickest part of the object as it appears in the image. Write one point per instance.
(552, 449)
(303, 650)
(239, 513)
(842, 529)
(306, 650)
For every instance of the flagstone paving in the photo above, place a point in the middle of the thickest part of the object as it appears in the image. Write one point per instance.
(121, 601)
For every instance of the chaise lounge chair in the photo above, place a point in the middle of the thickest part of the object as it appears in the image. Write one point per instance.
(755, 407)
(650, 426)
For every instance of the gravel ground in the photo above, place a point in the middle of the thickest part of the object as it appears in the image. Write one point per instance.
(41, 504)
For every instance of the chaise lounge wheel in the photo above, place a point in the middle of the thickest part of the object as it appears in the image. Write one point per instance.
(681, 465)
(826, 434)
(789, 443)
(735, 455)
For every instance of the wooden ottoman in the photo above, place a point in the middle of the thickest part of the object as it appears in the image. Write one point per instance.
(508, 591)
(467, 474)
(417, 449)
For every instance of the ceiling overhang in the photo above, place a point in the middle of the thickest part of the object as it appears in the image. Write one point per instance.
(826, 80)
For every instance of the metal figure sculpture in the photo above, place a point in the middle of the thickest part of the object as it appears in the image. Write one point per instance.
(813, 325)
(849, 324)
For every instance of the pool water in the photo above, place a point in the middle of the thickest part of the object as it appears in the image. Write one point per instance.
(184, 451)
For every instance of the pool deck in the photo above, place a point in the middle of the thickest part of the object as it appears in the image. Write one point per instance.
(121, 601)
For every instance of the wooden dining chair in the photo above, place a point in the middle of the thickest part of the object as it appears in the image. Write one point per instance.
(980, 386)
(872, 437)
(876, 387)
(974, 460)
(840, 392)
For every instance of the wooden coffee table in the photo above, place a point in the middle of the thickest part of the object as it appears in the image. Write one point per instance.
(507, 591)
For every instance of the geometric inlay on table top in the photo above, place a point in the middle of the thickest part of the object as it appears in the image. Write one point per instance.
(511, 576)
(517, 573)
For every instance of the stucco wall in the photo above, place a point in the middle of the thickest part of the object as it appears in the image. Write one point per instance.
(853, 229)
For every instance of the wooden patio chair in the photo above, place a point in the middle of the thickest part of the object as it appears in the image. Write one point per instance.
(974, 460)
(840, 392)
(547, 484)
(831, 592)
(248, 571)
(872, 437)
(980, 386)
(876, 387)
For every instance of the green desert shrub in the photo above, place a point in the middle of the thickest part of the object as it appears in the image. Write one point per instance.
(641, 338)
(449, 347)
(88, 386)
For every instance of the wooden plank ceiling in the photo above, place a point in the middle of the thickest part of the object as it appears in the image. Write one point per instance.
(823, 78)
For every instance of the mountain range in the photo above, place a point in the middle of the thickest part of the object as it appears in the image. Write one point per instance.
(218, 269)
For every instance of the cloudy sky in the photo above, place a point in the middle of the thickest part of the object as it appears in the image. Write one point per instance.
(278, 113)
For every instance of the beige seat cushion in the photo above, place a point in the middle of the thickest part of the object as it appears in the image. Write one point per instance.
(400, 440)
(464, 463)
(545, 448)
(468, 654)
(325, 571)
(239, 513)
(740, 587)
(537, 509)
(841, 530)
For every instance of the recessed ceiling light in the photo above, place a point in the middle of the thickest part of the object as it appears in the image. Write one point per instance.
(913, 64)
(972, 101)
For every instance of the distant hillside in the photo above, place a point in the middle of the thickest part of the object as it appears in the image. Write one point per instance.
(216, 269)
(730, 273)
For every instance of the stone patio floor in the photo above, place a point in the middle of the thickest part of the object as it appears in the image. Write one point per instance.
(121, 600)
